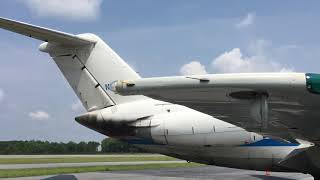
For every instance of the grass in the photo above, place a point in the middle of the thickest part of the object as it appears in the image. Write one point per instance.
(65, 170)
(83, 159)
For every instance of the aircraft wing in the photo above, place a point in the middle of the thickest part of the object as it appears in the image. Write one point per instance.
(291, 100)
(42, 33)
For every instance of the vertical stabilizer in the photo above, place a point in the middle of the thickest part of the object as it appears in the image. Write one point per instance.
(85, 60)
(89, 68)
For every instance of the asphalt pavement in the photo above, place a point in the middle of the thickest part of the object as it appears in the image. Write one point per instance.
(196, 173)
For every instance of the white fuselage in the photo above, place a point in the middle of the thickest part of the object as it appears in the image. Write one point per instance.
(188, 134)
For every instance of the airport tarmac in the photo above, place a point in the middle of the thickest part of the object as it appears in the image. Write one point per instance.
(198, 173)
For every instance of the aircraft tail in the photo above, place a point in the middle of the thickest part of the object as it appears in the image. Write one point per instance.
(85, 60)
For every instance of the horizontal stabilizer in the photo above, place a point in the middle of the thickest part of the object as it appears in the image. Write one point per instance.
(41, 33)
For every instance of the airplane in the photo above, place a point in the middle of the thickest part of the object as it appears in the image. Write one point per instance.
(256, 121)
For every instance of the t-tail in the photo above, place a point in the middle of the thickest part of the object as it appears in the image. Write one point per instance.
(86, 61)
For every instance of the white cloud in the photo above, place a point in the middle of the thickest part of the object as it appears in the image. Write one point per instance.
(192, 68)
(263, 57)
(39, 115)
(80, 10)
(246, 21)
(1, 95)
(77, 106)
(234, 62)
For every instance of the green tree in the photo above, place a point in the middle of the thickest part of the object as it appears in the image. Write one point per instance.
(45, 147)
(114, 145)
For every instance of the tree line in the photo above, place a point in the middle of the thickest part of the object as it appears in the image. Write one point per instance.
(108, 145)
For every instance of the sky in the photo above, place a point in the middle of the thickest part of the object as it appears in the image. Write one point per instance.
(156, 38)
